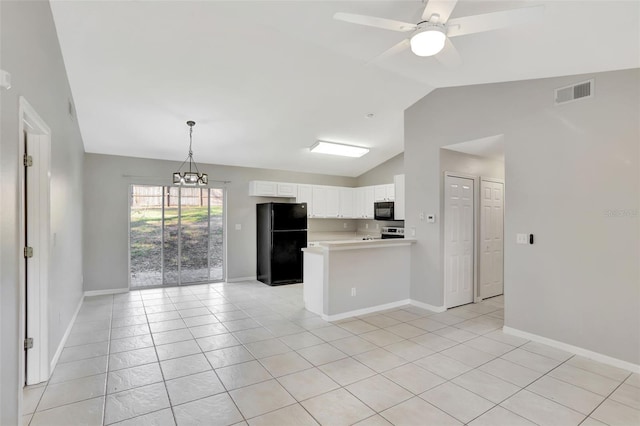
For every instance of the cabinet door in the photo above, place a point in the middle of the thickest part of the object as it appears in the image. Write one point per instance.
(369, 195)
(360, 203)
(347, 203)
(319, 203)
(305, 195)
(333, 202)
(391, 192)
(287, 189)
(380, 193)
(262, 189)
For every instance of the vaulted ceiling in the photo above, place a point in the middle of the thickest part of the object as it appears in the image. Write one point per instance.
(265, 79)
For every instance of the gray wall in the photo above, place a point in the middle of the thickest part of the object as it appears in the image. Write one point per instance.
(106, 210)
(453, 161)
(382, 173)
(566, 167)
(30, 52)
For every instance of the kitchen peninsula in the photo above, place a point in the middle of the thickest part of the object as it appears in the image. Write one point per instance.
(355, 277)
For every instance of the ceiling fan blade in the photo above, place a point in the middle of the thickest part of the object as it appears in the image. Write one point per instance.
(372, 21)
(449, 55)
(443, 8)
(492, 21)
(397, 48)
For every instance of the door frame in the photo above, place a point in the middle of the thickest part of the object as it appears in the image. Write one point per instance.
(494, 180)
(36, 296)
(223, 188)
(474, 245)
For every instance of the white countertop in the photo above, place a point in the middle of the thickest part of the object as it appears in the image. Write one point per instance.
(322, 246)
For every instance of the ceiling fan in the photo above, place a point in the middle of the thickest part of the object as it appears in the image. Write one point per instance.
(431, 35)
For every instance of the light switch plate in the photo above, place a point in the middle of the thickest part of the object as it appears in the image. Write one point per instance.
(238, 226)
(522, 238)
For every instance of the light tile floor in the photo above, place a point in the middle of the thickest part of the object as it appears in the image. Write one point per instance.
(246, 353)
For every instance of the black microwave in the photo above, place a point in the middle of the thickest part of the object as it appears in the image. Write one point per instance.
(383, 210)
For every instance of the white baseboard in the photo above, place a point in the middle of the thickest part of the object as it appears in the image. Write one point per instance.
(105, 292)
(236, 280)
(605, 359)
(63, 341)
(365, 311)
(428, 306)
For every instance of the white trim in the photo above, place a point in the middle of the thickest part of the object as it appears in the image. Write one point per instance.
(29, 121)
(365, 311)
(479, 297)
(605, 359)
(236, 280)
(67, 332)
(427, 306)
(105, 292)
(476, 230)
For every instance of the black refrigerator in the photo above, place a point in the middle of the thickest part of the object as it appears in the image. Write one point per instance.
(282, 234)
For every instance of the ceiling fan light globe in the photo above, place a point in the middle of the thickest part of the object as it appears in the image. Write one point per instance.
(428, 42)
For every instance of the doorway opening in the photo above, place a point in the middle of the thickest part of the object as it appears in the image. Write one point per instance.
(473, 220)
(176, 235)
(34, 147)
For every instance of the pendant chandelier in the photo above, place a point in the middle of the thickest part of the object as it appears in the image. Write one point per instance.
(191, 177)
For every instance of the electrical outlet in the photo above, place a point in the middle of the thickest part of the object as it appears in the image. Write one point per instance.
(377, 226)
(344, 225)
(522, 238)
(353, 291)
(413, 231)
(366, 226)
(421, 215)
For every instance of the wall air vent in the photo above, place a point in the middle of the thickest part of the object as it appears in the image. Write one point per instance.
(582, 90)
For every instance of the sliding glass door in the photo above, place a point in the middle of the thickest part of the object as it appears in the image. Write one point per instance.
(176, 235)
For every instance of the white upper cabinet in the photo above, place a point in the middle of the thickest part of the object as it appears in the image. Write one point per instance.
(364, 202)
(261, 188)
(398, 212)
(287, 190)
(305, 195)
(333, 202)
(384, 192)
(347, 203)
(369, 196)
(319, 201)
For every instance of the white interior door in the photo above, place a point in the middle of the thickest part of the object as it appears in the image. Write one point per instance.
(36, 210)
(458, 243)
(491, 238)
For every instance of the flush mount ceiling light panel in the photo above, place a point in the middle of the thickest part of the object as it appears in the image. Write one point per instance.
(190, 178)
(323, 147)
(431, 34)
